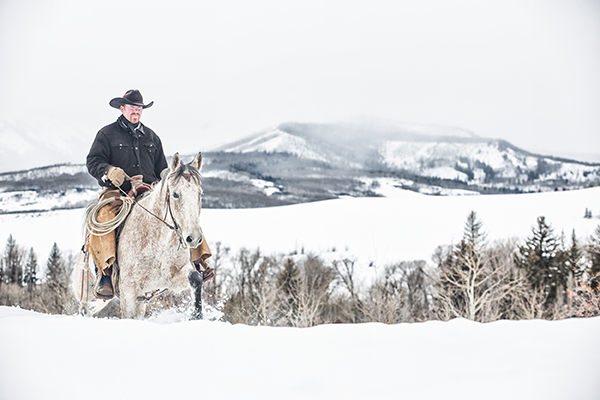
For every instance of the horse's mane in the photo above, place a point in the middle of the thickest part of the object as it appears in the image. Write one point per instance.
(184, 171)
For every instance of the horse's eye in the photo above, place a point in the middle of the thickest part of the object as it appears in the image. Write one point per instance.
(175, 195)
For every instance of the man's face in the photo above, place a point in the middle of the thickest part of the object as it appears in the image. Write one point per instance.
(132, 113)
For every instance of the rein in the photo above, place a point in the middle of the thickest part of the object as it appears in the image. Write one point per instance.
(168, 210)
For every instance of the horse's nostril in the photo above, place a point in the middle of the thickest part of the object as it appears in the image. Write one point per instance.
(189, 239)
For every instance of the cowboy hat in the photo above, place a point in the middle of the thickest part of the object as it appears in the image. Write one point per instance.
(133, 97)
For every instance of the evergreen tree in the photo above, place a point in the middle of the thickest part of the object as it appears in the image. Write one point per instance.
(473, 235)
(56, 282)
(574, 257)
(541, 260)
(287, 279)
(13, 262)
(593, 251)
(30, 277)
(288, 282)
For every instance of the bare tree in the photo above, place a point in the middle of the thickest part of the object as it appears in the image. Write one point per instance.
(253, 295)
(474, 280)
(313, 292)
(345, 273)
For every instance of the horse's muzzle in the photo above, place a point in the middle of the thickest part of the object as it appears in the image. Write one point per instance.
(194, 241)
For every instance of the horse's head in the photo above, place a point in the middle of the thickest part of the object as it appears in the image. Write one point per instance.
(184, 198)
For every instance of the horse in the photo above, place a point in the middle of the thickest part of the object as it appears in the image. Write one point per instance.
(153, 252)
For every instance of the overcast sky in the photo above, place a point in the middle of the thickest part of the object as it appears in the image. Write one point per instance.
(525, 71)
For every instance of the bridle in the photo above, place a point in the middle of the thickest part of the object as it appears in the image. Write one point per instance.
(168, 210)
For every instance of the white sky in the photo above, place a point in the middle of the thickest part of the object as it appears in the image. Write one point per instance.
(526, 71)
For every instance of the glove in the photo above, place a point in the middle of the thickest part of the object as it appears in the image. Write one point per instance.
(116, 175)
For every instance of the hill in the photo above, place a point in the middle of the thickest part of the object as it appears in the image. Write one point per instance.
(299, 163)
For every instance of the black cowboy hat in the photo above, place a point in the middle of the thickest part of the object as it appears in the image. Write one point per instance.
(133, 97)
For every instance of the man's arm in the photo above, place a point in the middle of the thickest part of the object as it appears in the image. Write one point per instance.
(98, 159)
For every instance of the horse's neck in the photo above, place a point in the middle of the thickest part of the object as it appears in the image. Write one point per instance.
(151, 211)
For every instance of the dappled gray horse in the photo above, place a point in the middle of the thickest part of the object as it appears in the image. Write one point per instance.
(153, 252)
(153, 255)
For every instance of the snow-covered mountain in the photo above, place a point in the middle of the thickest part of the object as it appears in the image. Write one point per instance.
(297, 163)
(421, 150)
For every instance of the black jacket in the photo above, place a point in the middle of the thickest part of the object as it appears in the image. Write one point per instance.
(116, 145)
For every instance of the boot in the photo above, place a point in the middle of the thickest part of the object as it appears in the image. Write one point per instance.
(105, 289)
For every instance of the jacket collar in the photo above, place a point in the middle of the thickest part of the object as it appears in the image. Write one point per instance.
(137, 129)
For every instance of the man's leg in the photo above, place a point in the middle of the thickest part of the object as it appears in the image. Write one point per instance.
(103, 248)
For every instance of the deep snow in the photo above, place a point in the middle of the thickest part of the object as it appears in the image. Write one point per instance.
(59, 357)
(69, 357)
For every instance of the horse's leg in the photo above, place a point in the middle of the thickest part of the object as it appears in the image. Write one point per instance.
(196, 283)
(131, 307)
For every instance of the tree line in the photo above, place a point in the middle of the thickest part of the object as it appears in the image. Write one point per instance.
(23, 284)
(545, 275)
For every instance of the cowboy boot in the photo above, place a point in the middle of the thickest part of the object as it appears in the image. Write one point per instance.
(105, 287)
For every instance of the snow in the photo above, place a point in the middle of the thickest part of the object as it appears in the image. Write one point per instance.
(506, 163)
(403, 226)
(30, 200)
(278, 141)
(61, 357)
(71, 357)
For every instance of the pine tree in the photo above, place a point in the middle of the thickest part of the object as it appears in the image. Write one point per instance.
(30, 277)
(13, 262)
(56, 282)
(541, 260)
(574, 257)
(287, 279)
(593, 251)
(473, 235)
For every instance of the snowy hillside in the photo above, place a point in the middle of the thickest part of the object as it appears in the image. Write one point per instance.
(301, 163)
(46, 188)
(481, 163)
(277, 141)
(402, 226)
(443, 153)
(55, 357)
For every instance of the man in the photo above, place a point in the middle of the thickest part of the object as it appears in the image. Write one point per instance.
(126, 148)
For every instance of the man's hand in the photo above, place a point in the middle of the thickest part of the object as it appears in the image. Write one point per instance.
(116, 175)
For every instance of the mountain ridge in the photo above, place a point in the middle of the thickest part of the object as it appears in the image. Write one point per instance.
(303, 162)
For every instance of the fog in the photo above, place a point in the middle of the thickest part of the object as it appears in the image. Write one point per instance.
(524, 71)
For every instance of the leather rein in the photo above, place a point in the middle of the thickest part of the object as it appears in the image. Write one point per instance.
(168, 210)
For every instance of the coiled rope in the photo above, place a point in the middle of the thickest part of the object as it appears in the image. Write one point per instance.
(102, 228)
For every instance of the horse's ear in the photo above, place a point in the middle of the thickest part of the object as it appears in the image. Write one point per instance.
(175, 162)
(197, 163)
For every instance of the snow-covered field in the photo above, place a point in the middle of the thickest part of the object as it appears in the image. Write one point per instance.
(63, 357)
(403, 226)
(60, 357)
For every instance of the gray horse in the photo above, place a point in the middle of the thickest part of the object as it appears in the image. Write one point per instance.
(153, 251)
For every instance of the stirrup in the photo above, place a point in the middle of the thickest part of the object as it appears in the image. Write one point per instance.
(205, 270)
